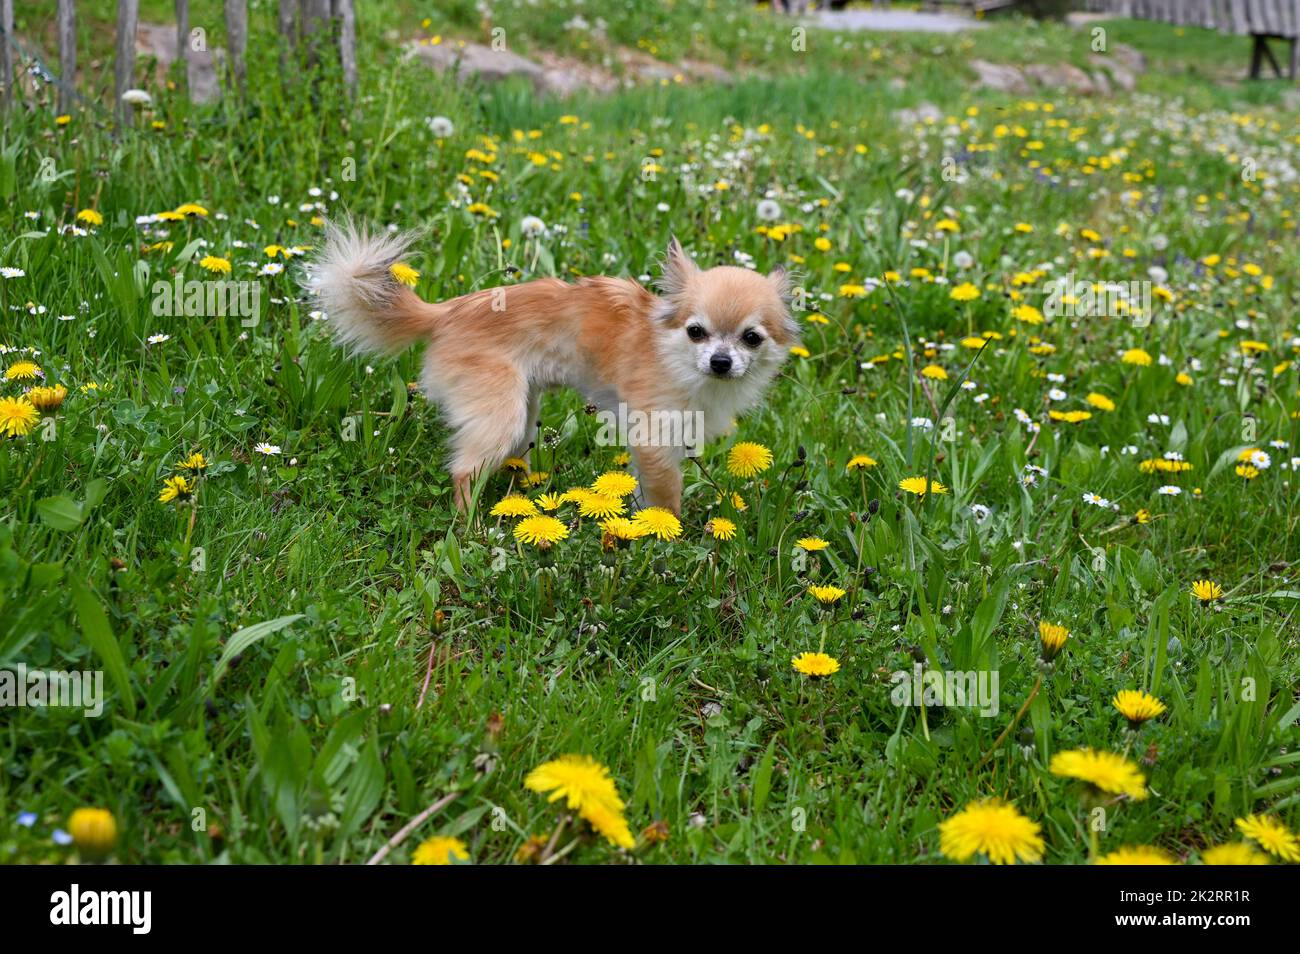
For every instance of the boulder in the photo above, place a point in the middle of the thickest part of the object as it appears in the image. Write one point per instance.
(157, 41)
(1130, 56)
(1119, 73)
(1060, 76)
(563, 76)
(474, 59)
(999, 76)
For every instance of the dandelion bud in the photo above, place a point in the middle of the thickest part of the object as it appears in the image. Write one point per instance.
(94, 831)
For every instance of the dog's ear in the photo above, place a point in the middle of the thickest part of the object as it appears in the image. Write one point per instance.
(678, 269)
(783, 283)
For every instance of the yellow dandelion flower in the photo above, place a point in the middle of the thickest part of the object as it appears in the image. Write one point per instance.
(215, 264)
(1101, 402)
(1137, 855)
(440, 850)
(748, 459)
(1137, 357)
(614, 483)
(659, 523)
(623, 529)
(601, 506)
(934, 372)
(994, 830)
(1103, 771)
(586, 787)
(816, 665)
(720, 528)
(47, 399)
(1053, 637)
(1070, 417)
(540, 531)
(23, 371)
(1207, 591)
(1234, 853)
(811, 544)
(90, 217)
(860, 462)
(17, 416)
(1271, 835)
(404, 274)
(964, 292)
(550, 502)
(826, 595)
(1137, 706)
(917, 486)
(609, 823)
(514, 505)
(176, 488)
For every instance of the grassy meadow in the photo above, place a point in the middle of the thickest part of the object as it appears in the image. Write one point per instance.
(304, 647)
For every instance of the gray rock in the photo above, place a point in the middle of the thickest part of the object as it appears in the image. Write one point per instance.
(1060, 76)
(157, 41)
(707, 72)
(999, 76)
(474, 59)
(1119, 73)
(1130, 56)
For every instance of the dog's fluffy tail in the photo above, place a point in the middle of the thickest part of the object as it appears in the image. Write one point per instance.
(368, 309)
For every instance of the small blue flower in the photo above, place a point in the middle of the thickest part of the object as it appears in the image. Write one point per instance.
(61, 837)
(27, 819)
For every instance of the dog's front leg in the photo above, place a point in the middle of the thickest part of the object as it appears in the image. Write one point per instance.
(661, 476)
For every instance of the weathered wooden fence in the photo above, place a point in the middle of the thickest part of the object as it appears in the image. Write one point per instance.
(312, 25)
(1262, 19)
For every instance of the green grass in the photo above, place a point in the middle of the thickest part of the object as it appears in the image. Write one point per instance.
(668, 662)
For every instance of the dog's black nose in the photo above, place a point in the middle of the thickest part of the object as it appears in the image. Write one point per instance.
(720, 363)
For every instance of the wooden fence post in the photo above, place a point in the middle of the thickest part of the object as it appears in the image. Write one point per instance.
(128, 18)
(315, 20)
(237, 40)
(288, 21)
(6, 56)
(183, 39)
(346, 13)
(67, 28)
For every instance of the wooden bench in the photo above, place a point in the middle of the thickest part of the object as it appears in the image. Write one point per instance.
(1263, 20)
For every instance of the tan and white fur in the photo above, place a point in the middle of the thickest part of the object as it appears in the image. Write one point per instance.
(710, 342)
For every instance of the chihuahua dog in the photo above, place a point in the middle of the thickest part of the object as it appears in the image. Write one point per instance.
(708, 345)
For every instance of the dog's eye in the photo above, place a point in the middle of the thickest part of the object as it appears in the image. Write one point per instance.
(696, 332)
(752, 338)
